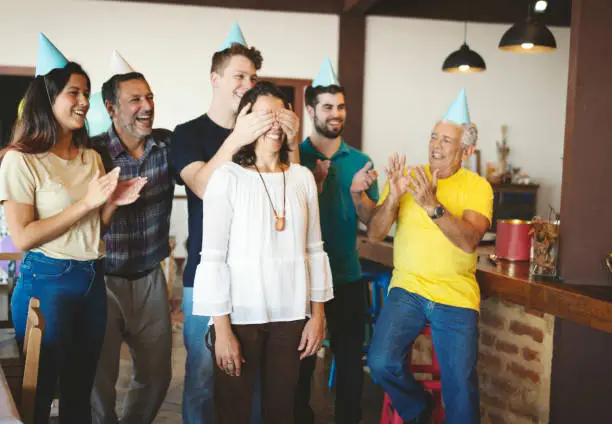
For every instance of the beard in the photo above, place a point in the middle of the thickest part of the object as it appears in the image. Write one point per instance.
(132, 128)
(321, 128)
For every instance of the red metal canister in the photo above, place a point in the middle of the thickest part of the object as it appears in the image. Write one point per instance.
(513, 241)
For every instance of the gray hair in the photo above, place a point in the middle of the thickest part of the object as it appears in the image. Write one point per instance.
(469, 135)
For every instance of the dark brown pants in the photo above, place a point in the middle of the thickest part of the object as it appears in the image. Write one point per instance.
(272, 348)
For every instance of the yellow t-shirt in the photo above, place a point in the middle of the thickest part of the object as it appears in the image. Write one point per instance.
(51, 184)
(425, 261)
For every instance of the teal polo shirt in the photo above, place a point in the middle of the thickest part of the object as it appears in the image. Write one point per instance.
(338, 215)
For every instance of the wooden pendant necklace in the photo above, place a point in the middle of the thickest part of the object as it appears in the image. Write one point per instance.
(280, 219)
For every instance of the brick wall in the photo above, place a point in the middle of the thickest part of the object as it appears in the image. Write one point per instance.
(514, 364)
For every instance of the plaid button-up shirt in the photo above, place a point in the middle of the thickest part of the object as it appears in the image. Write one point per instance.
(137, 239)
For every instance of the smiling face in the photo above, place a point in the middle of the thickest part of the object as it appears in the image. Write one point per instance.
(273, 140)
(329, 114)
(238, 77)
(135, 109)
(446, 151)
(72, 103)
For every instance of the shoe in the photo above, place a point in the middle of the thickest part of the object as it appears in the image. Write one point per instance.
(426, 414)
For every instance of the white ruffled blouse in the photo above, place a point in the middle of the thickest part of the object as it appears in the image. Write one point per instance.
(248, 269)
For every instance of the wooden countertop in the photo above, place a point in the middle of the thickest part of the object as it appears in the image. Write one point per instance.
(588, 305)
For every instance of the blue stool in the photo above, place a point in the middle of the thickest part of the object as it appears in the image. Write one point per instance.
(380, 287)
(380, 279)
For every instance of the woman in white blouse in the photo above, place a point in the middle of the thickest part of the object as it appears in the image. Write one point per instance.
(263, 271)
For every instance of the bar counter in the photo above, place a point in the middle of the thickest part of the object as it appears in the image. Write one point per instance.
(510, 281)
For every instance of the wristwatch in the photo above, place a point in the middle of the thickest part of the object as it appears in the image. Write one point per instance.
(438, 212)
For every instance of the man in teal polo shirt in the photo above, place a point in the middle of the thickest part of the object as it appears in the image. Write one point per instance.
(348, 193)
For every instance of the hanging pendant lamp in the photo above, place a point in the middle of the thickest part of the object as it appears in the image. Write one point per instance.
(464, 60)
(528, 36)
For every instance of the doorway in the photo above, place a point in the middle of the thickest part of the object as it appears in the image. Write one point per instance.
(13, 84)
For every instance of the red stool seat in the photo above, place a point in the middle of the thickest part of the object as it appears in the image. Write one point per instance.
(388, 415)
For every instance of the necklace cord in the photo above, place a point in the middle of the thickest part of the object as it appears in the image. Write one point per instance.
(268, 193)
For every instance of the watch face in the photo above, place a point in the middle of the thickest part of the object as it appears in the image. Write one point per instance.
(438, 212)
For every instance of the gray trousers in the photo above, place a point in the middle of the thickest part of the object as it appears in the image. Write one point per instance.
(139, 314)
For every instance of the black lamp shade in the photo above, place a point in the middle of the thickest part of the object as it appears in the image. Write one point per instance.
(464, 61)
(528, 37)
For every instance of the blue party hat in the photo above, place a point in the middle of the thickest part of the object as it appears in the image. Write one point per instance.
(98, 120)
(326, 76)
(49, 57)
(235, 37)
(458, 111)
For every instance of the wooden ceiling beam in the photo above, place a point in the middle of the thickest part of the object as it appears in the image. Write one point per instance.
(504, 11)
(361, 6)
(311, 6)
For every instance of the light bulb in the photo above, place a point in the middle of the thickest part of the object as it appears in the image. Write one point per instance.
(527, 46)
(464, 68)
(541, 6)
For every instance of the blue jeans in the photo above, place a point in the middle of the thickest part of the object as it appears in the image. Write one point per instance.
(72, 298)
(198, 401)
(198, 405)
(455, 340)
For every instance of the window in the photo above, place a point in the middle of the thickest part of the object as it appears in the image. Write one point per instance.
(13, 84)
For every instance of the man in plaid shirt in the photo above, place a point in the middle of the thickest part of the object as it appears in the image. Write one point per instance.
(138, 309)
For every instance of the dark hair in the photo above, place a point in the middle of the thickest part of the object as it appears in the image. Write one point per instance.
(312, 93)
(110, 89)
(37, 129)
(246, 155)
(221, 59)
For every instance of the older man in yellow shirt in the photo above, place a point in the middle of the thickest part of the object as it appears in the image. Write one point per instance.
(442, 211)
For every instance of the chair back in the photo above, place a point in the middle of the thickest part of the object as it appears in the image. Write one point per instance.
(32, 341)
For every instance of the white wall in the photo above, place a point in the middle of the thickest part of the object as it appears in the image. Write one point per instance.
(171, 45)
(406, 92)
